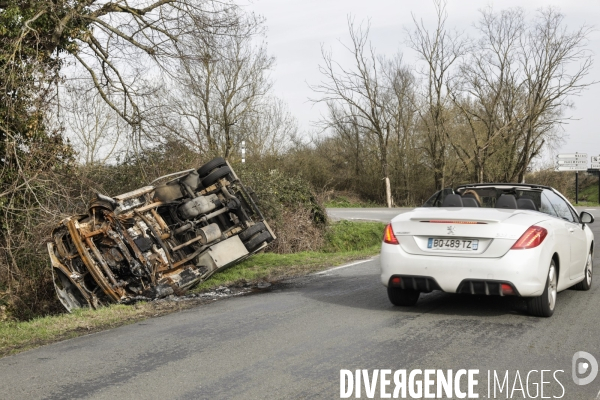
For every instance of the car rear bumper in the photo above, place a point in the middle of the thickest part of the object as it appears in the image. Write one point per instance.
(525, 269)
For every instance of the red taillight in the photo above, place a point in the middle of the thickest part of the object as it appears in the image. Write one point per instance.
(507, 290)
(396, 281)
(388, 235)
(533, 237)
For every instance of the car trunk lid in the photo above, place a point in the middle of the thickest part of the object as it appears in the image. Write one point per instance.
(463, 232)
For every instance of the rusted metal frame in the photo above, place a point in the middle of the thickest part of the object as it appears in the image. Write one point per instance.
(181, 246)
(102, 262)
(121, 246)
(60, 247)
(135, 193)
(157, 236)
(209, 189)
(232, 231)
(150, 206)
(125, 251)
(121, 230)
(63, 268)
(190, 257)
(89, 262)
(161, 222)
(87, 234)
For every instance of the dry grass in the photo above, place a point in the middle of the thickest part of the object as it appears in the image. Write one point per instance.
(296, 232)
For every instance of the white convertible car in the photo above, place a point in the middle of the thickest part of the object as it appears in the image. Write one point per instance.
(489, 239)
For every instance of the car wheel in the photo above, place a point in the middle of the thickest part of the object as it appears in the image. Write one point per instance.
(215, 176)
(204, 170)
(586, 283)
(403, 297)
(543, 306)
(251, 231)
(257, 240)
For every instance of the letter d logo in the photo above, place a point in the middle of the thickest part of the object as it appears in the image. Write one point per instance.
(580, 367)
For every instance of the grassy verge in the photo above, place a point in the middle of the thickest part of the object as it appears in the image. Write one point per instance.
(588, 196)
(17, 336)
(585, 204)
(345, 241)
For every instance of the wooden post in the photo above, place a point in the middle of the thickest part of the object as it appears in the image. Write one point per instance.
(388, 192)
(576, 187)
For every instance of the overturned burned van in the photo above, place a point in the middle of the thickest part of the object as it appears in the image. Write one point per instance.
(158, 240)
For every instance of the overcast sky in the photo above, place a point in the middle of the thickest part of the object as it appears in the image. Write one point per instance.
(298, 28)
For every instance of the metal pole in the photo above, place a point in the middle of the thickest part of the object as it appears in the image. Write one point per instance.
(598, 187)
(576, 187)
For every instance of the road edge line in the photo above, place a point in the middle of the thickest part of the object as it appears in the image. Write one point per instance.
(344, 266)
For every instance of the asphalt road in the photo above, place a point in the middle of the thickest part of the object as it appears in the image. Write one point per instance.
(292, 342)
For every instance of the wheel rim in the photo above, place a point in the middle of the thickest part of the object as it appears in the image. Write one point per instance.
(552, 287)
(588, 270)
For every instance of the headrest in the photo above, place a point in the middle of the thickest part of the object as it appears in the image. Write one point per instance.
(506, 201)
(452, 200)
(470, 202)
(525, 203)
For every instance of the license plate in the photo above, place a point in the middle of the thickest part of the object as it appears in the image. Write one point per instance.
(452, 244)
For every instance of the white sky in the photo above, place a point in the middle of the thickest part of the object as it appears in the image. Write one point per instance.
(298, 28)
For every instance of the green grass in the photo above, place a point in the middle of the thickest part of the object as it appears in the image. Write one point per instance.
(588, 196)
(585, 204)
(18, 336)
(353, 236)
(344, 242)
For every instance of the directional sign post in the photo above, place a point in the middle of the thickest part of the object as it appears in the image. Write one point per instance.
(595, 164)
(572, 162)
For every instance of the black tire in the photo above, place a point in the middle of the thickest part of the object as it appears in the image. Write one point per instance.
(204, 170)
(254, 229)
(403, 297)
(544, 305)
(215, 176)
(258, 240)
(586, 283)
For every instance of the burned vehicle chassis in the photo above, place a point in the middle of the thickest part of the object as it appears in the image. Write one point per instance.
(157, 240)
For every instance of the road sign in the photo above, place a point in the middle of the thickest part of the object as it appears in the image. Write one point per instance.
(595, 162)
(571, 162)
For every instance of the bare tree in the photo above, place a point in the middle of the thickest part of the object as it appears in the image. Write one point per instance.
(555, 63)
(270, 129)
(439, 49)
(403, 86)
(93, 128)
(360, 96)
(221, 81)
(515, 87)
(487, 89)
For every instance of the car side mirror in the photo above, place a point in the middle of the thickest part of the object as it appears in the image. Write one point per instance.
(586, 217)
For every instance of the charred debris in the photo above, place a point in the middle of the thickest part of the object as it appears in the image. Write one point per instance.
(158, 240)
